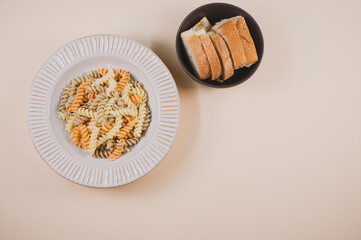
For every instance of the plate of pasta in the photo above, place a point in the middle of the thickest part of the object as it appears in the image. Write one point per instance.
(103, 111)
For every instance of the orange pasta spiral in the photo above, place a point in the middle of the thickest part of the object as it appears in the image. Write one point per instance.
(102, 71)
(123, 133)
(117, 151)
(136, 99)
(125, 77)
(105, 128)
(76, 136)
(79, 96)
(130, 134)
(118, 74)
(84, 136)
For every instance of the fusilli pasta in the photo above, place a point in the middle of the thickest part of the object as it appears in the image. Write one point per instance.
(118, 150)
(104, 79)
(106, 112)
(84, 136)
(139, 125)
(123, 81)
(79, 97)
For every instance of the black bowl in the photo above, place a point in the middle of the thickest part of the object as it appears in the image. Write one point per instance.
(215, 12)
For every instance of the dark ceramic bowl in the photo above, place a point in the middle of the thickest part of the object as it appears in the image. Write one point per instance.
(215, 12)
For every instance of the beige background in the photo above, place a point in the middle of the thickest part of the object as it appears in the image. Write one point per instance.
(277, 157)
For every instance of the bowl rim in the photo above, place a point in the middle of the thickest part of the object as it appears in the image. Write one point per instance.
(178, 42)
(152, 57)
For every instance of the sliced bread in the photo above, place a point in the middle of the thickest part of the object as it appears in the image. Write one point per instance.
(202, 24)
(223, 54)
(247, 41)
(196, 54)
(212, 56)
(228, 30)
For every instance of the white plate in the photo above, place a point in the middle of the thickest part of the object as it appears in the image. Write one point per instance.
(76, 58)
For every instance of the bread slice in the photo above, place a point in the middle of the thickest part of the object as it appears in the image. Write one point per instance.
(196, 54)
(247, 41)
(202, 24)
(223, 54)
(212, 56)
(228, 30)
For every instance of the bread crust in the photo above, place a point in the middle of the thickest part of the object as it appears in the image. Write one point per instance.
(203, 65)
(247, 41)
(228, 30)
(212, 56)
(202, 24)
(200, 57)
(223, 54)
